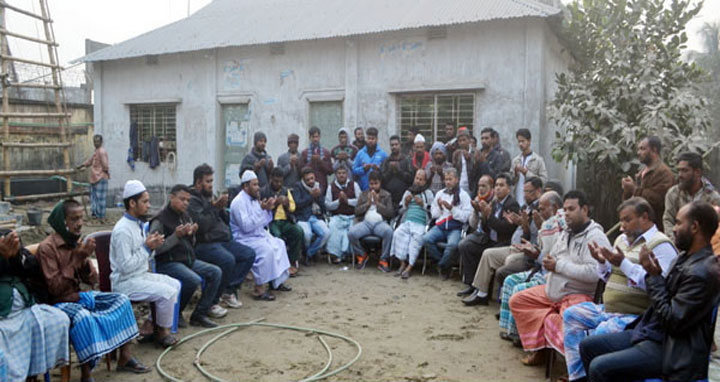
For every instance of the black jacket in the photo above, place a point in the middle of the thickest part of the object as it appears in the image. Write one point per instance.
(213, 223)
(175, 248)
(683, 307)
(504, 228)
(304, 201)
(396, 182)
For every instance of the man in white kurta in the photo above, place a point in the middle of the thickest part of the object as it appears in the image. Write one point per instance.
(130, 251)
(248, 218)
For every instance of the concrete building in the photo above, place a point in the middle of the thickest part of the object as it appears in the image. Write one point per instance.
(205, 84)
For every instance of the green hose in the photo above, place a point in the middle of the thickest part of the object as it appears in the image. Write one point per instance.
(322, 374)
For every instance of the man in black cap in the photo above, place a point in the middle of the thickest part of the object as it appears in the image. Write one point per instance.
(289, 162)
(258, 160)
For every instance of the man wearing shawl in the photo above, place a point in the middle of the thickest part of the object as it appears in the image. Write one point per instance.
(420, 157)
(33, 337)
(130, 251)
(248, 218)
(100, 322)
(340, 199)
(258, 160)
(414, 215)
(317, 158)
(435, 170)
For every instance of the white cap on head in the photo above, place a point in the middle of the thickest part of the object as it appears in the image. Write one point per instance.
(132, 188)
(419, 138)
(247, 176)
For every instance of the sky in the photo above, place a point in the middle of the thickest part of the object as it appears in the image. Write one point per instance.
(114, 21)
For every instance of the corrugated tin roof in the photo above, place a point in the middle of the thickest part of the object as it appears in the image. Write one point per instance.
(224, 23)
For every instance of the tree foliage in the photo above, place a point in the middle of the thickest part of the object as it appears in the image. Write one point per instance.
(627, 81)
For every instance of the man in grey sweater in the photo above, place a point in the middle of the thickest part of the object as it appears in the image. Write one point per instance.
(289, 162)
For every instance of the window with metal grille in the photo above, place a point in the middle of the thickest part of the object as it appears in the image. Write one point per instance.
(430, 112)
(154, 120)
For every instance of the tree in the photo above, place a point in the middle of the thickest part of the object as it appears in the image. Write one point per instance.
(627, 82)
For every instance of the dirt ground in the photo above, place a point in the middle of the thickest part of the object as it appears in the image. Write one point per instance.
(410, 330)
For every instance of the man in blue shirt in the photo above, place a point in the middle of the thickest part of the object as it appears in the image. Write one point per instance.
(368, 159)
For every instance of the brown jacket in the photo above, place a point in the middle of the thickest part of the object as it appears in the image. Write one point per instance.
(64, 268)
(653, 186)
(384, 208)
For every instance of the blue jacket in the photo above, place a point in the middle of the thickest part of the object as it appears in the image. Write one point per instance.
(362, 158)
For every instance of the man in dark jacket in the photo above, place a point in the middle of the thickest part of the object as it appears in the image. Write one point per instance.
(176, 257)
(214, 239)
(317, 158)
(672, 339)
(374, 208)
(258, 160)
(309, 212)
(396, 173)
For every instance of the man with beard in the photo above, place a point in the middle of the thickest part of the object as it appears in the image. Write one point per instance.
(450, 139)
(653, 180)
(309, 212)
(100, 322)
(673, 337)
(463, 162)
(435, 170)
(130, 252)
(249, 215)
(692, 186)
(359, 141)
(343, 154)
(289, 162)
(625, 293)
(214, 243)
(176, 257)
(374, 208)
(340, 199)
(420, 156)
(368, 159)
(414, 215)
(317, 158)
(505, 160)
(526, 165)
(396, 173)
(408, 147)
(258, 160)
(283, 226)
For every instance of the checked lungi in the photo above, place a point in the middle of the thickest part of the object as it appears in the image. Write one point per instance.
(101, 322)
(98, 198)
(407, 241)
(515, 283)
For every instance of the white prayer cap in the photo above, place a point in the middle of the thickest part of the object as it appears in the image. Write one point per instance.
(132, 188)
(247, 176)
(419, 138)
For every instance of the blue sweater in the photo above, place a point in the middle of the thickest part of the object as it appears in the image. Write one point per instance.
(362, 158)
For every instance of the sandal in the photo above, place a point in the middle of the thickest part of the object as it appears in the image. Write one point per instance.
(281, 288)
(146, 339)
(405, 275)
(167, 341)
(134, 366)
(264, 297)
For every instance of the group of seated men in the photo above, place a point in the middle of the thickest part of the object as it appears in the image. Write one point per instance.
(546, 254)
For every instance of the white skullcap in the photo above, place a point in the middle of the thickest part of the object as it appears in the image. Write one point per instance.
(132, 188)
(247, 176)
(419, 138)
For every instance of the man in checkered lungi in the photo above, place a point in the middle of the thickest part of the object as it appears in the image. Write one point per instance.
(99, 175)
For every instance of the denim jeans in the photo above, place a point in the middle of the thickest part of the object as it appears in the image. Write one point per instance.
(321, 231)
(613, 357)
(233, 258)
(191, 278)
(437, 235)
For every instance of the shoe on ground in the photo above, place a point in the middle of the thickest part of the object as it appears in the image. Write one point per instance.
(497, 316)
(384, 266)
(474, 299)
(217, 311)
(202, 320)
(181, 322)
(230, 300)
(535, 358)
(361, 262)
(466, 292)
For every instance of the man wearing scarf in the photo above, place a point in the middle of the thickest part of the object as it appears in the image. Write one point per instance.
(341, 199)
(451, 210)
(408, 147)
(249, 215)
(368, 159)
(100, 322)
(343, 154)
(374, 208)
(317, 158)
(309, 210)
(420, 157)
(414, 215)
(435, 170)
(289, 162)
(396, 173)
(131, 248)
(176, 257)
(283, 226)
(258, 160)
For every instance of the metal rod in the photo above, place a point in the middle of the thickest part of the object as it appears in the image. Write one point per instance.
(31, 85)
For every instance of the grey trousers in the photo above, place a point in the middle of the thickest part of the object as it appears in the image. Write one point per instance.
(363, 228)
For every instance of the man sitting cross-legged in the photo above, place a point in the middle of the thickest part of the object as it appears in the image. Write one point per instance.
(374, 207)
(414, 215)
(451, 209)
(340, 199)
(551, 220)
(249, 215)
(572, 279)
(282, 225)
(176, 257)
(100, 322)
(625, 294)
(309, 211)
(673, 337)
